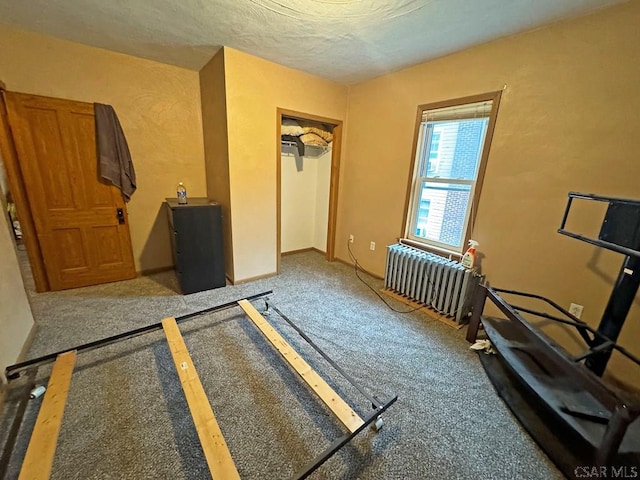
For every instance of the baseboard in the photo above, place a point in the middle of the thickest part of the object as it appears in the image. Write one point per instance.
(344, 262)
(293, 252)
(303, 250)
(22, 356)
(253, 279)
(152, 271)
(350, 264)
(27, 343)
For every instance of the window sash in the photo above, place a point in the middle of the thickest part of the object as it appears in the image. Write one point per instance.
(484, 105)
(427, 131)
(415, 207)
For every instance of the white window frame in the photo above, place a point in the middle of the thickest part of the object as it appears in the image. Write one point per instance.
(421, 151)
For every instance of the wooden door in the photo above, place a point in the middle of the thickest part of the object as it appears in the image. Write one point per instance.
(82, 238)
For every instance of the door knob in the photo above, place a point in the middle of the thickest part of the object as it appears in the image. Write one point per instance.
(120, 215)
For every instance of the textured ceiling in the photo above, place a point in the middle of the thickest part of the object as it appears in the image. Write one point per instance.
(343, 40)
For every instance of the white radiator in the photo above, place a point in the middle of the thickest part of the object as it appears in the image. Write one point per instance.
(432, 280)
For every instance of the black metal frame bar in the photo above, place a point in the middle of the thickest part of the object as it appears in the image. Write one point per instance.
(378, 406)
(13, 371)
(372, 398)
(616, 312)
(625, 289)
(581, 326)
(342, 441)
(593, 241)
(14, 429)
(604, 343)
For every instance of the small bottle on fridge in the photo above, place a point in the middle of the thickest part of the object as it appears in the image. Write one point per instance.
(182, 194)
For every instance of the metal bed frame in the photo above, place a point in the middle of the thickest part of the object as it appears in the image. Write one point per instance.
(38, 459)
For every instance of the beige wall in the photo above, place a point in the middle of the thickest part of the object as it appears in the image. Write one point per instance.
(158, 106)
(323, 189)
(304, 202)
(298, 205)
(568, 120)
(216, 147)
(255, 88)
(16, 320)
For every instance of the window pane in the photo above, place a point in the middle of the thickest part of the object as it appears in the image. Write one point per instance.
(442, 210)
(452, 149)
(433, 160)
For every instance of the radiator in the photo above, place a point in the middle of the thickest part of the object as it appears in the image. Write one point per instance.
(431, 280)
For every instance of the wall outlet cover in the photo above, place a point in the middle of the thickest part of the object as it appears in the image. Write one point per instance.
(576, 310)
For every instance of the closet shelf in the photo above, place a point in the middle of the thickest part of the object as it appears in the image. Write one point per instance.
(291, 148)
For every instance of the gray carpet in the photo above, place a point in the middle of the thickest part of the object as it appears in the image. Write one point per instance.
(127, 418)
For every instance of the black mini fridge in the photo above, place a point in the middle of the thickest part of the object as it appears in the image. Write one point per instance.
(196, 241)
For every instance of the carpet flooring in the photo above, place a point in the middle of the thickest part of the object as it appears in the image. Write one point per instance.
(127, 418)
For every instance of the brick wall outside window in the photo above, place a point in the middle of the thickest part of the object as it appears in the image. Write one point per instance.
(468, 146)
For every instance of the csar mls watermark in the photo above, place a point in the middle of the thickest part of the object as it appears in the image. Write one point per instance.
(606, 471)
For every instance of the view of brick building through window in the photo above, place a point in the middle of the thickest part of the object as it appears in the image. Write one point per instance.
(448, 170)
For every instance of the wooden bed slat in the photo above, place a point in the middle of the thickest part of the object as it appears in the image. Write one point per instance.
(338, 406)
(213, 444)
(38, 459)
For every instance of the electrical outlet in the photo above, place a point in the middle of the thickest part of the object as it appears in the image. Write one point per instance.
(372, 246)
(576, 310)
(350, 238)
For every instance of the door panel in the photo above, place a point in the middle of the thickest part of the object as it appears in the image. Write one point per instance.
(110, 253)
(75, 213)
(82, 136)
(47, 145)
(70, 244)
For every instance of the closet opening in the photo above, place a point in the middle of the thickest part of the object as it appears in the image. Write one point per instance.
(308, 166)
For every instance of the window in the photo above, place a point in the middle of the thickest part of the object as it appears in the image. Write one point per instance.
(450, 155)
(423, 215)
